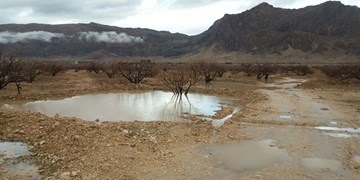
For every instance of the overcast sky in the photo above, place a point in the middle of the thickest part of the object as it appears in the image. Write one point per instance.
(184, 16)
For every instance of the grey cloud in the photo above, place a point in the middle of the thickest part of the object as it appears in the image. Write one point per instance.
(50, 11)
(192, 3)
(13, 37)
(109, 37)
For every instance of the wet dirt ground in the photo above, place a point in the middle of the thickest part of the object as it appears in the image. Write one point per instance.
(278, 119)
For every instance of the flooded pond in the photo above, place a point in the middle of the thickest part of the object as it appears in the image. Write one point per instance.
(10, 167)
(317, 164)
(251, 155)
(145, 106)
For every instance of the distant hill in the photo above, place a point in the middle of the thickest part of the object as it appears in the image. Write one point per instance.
(83, 39)
(264, 29)
(330, 26)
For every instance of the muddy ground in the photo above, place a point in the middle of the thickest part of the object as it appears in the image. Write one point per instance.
(287, 110)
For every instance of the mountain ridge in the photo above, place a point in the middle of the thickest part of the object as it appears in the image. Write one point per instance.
(272, 30)
(263, 29)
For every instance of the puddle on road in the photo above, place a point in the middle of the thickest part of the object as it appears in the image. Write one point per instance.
(289, 83)
(10, 167)
(317, 164)
(249, 155)
(357, 159)
(349, 130)
(271, 88)
(13, 149)
(339, 135)
(22, 170)
(146, 106)
(217, 123)
(339, 132)
(285, 117)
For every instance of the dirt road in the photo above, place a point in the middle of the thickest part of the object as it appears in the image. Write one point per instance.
(284, 140)
(317, 128)
(288, 103)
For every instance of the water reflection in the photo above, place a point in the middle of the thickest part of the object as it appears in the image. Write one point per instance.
(146, 106)
(13, 149)
(248, 155)
(10, 167)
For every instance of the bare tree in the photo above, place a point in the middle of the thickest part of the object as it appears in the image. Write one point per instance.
(53, 67)
(111, 68)
(31, 70)
(220, 70)
(135, 72)
(94, 67)
(264, 70)
(10, 71)
(180, 78)
(211, 70)
(342, 72)
(300, 70)
(248, 69)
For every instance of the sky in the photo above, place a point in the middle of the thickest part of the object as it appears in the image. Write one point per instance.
(190, 17)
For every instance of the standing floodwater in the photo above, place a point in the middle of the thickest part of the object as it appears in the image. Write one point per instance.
(249, 155)
(146, 106)
(11, 167)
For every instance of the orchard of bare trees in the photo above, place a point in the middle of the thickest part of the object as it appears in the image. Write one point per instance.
(15, 70)
(342, 72)
(178, 77)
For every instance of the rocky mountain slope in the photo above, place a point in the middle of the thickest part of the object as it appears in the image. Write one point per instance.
(330, 26)
(264, 29)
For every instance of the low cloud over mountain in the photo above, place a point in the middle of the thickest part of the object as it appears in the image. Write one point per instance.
(14, 37)
(109, 37)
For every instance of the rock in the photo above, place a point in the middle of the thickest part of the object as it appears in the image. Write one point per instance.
(65, 175)
(74, 173)
(125, 131)
(17, 131)
(153, 139)
(93, 126)
(258, 176)
(77, 136)
(165, 154)
(57, 123)
(42, 142)
(230, 136)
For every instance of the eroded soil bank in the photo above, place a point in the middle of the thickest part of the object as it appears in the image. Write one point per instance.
(284, 112)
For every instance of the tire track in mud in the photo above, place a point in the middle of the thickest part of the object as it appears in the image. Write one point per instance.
(288, 103)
